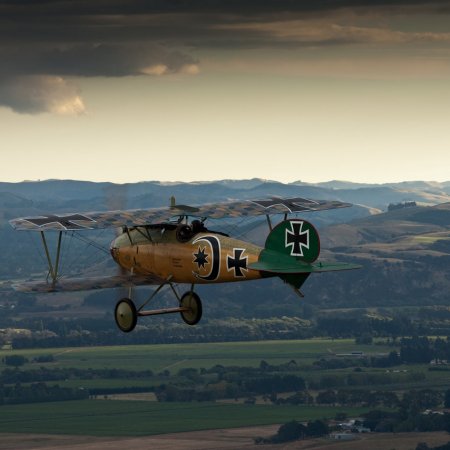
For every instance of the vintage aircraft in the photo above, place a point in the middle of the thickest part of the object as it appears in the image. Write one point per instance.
(163, 246)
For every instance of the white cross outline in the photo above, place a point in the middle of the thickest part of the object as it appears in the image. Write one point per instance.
(292, 233)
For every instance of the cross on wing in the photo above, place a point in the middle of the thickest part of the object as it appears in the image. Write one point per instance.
(63, 222)
(140, 217)
(291, 204)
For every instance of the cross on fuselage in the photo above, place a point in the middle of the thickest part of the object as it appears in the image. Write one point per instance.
(235, 262)
(297, 239)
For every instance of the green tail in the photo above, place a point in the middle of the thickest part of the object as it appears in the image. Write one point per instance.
(290, 252)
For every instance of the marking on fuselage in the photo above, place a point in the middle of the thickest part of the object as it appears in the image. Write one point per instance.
(200, 258)
(237, 262)
(177, 262)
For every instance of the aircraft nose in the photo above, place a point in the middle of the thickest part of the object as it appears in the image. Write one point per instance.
(114, 250)
(114, 253)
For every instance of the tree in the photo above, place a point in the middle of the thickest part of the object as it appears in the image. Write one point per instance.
(447, 398)
(15, 360)
(290, 431)
(326, 397)
(317, 428)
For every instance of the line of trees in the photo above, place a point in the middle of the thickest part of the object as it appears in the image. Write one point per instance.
(293, 431)
(42, 374)
(406, 421)
(39, 392)
(85, 332)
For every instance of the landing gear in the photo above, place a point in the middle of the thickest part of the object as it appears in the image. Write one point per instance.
(126, 315)
(190, 309)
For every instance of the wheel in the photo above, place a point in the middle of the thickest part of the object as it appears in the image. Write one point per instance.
(192, 301)
(125, 315)
(184, 233)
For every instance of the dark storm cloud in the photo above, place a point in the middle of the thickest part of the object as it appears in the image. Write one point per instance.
(62, 38)
(111, 60)
(176, 22)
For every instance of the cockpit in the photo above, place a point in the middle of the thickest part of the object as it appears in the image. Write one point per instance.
(160, 233)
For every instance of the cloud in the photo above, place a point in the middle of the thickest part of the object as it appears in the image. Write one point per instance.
(41, 93)
(106, 60)
(327, 32)
(45, 43)
(34, 80)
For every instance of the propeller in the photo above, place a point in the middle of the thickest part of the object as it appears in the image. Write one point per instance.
(116, 198)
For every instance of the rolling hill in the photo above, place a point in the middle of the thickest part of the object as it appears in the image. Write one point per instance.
(405, 253)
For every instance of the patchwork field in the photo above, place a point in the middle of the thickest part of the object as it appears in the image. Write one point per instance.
(178, 356)
(138, 418)
(129, 417)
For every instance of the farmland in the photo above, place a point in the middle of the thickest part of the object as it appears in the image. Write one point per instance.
(137, 418)
(162, 357)
(134, 418)
(180, 365)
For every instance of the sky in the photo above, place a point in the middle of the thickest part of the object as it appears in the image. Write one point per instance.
(172, 90)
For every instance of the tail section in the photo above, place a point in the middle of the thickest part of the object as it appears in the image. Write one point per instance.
(296, 238)
(290, 252)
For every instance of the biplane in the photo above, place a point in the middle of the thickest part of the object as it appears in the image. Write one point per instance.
(172, 245)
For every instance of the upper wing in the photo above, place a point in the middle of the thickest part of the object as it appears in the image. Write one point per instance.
(136, 217)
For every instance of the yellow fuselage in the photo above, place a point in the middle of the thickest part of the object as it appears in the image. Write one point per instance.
(207, 257)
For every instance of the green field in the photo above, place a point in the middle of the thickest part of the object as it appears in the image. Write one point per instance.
(177, 356)
(173, 357)
(134, 418)
(138, 418)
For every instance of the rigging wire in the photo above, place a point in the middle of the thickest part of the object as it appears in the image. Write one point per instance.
(38, 248)
(84, 252)
(90, 242)
(65, 252)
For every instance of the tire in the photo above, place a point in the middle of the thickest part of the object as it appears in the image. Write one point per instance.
(191, 300)
(125, 315)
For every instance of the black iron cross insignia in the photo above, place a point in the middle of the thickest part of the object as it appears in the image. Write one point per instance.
(291, 204)
(237, 263)
(296, 238)
(69, 222)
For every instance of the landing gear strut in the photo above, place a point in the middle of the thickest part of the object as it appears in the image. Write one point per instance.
(190, 309)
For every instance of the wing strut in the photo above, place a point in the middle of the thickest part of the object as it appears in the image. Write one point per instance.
(52, 270)
(269, 222)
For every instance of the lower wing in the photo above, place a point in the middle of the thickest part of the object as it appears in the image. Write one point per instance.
(86, 284)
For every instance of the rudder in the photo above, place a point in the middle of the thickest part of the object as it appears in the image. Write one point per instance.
(295, 237)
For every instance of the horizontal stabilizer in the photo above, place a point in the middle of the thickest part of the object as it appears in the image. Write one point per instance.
(85, 284)
(287, 267)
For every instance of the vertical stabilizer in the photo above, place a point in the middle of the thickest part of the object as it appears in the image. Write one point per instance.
(295, 237)
(290, 252)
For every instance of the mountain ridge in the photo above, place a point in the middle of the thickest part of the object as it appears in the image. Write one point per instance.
(405, 253)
